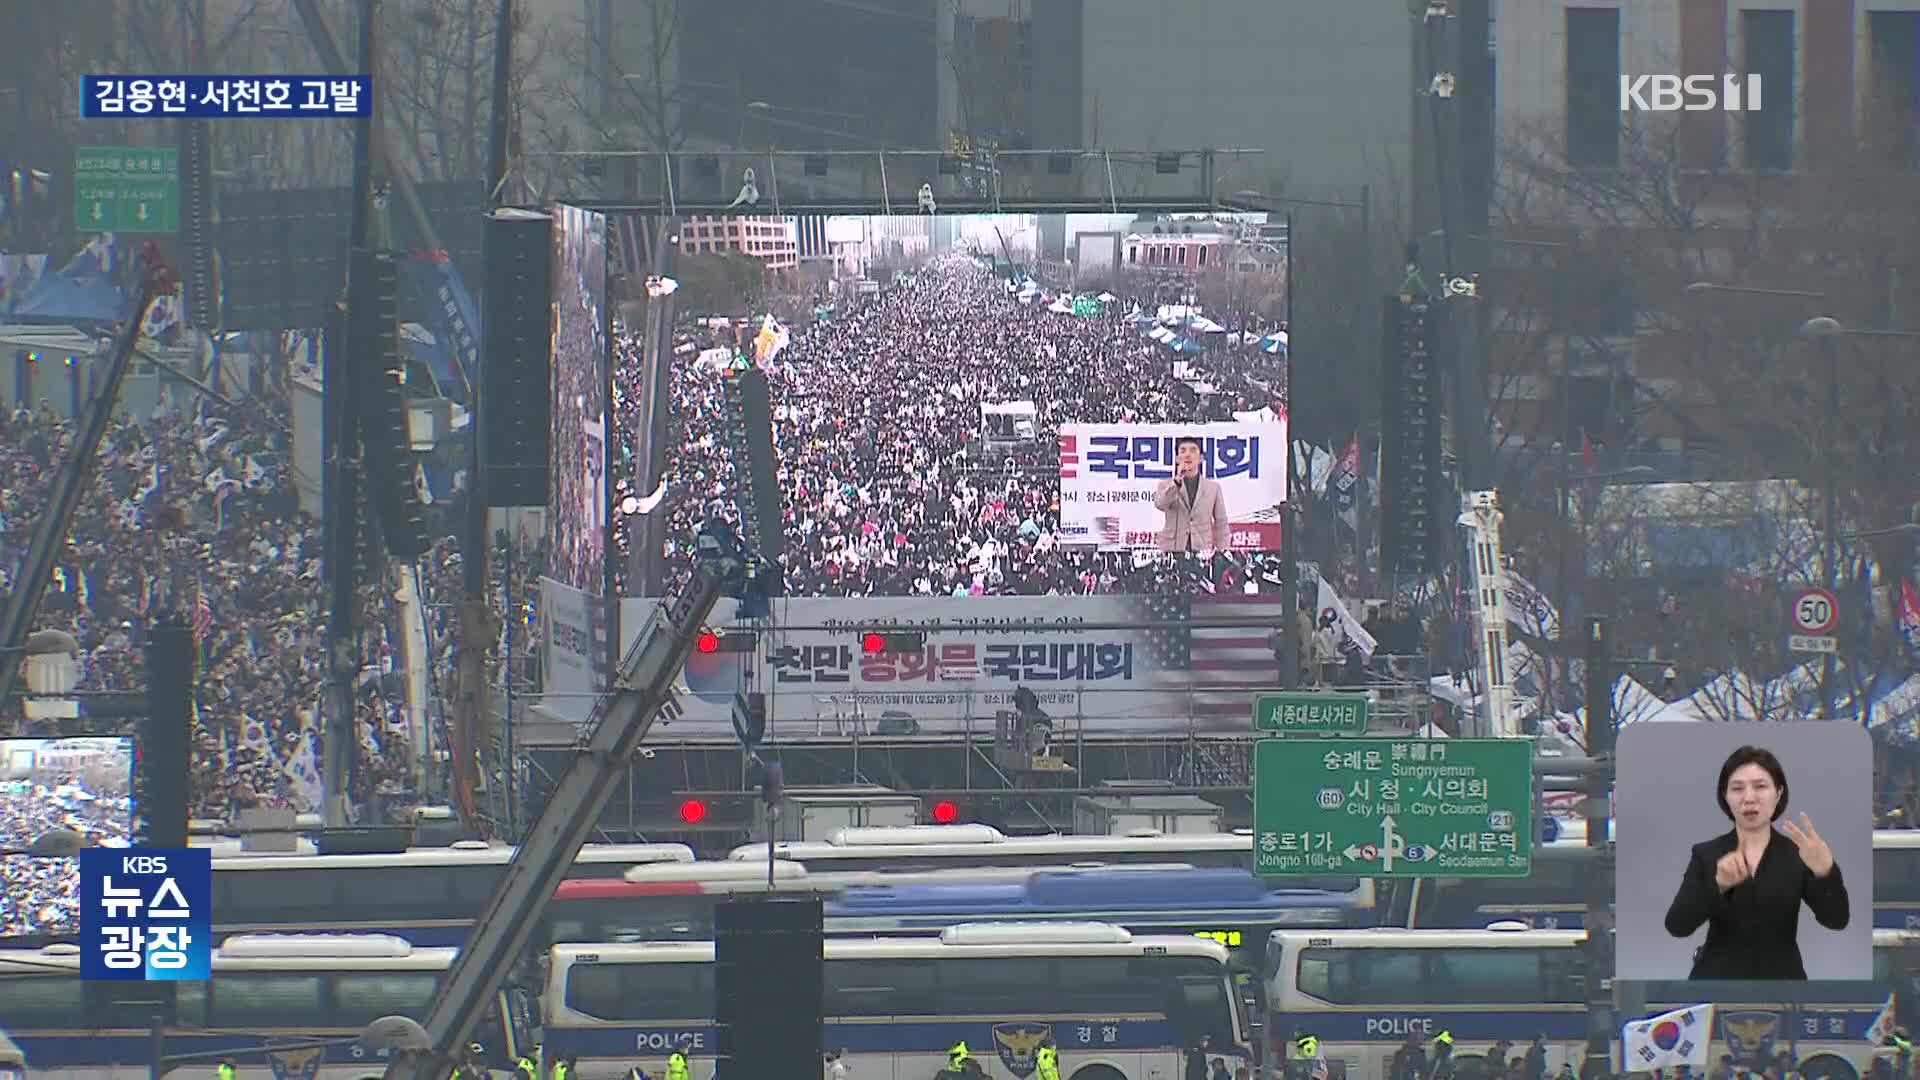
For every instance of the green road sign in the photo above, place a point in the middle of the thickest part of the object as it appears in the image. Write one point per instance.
(134, 189)
(1310, 714)
(1403, 808)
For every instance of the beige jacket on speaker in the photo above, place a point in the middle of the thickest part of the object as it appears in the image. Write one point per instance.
(1200, 525)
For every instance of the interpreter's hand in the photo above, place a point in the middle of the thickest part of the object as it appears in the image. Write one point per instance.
(1813, 850)
(1731, 870)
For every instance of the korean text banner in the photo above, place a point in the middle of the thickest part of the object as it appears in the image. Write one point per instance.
(1110, 474)
(145, 914)
(1094, 679)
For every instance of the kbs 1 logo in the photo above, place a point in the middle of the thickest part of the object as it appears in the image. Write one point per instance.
(1690, 93)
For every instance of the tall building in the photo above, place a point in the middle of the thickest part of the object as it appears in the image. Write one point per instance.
(1325, 90)
(1836, 75)
(773, 240)
(808, 74)
(1839, 82)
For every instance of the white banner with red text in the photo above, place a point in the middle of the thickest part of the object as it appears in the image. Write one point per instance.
(1126, 672)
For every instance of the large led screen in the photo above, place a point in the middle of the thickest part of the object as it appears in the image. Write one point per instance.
(1063, 434)
(577, 521)
(81, 784)
(987, 405)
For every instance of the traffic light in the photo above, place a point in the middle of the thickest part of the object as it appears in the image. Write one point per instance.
(750, 717)
(734, 641)
(693, 811)
(944, 812)
(892, 642)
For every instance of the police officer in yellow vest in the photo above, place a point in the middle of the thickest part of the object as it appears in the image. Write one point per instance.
(957, 1057)
(564, 1069)
(1442, 1056)
(525, 1069)
(1302, 1054)
(226, 1070)
(1047, 1062)
(677, 1061)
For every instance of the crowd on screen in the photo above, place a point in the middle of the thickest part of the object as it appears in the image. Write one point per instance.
(874, 411)
(40, 895)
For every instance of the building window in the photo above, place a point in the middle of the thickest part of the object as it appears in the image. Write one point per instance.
(1593, 87)
(1893, 104)
(1767, 132)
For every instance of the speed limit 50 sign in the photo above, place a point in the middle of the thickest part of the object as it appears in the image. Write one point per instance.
(1815, 612)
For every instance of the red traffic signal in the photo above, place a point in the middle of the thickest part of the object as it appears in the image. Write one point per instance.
(945, 812)
(875, 643)
(693, 811)
(737, 641)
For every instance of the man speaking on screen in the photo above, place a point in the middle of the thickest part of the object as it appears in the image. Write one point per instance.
(1195, 506)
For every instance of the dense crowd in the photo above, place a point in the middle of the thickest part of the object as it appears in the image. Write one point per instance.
(39, 896)
(198, 515)
(578, 443)
(875, 409)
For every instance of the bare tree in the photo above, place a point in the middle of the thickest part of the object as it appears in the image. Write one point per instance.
(437, 67)
(990, 75)
(44, 45)
(1606, 349)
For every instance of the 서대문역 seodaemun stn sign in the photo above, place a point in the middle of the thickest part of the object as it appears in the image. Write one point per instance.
(1402, 808)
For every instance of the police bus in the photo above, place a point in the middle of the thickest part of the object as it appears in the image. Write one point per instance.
(1222, 904)
(1554, 895)
(1365, 993)
(265, 990)
(13, 1063)
(428, 896)
(676, 903)
(1117, 1006)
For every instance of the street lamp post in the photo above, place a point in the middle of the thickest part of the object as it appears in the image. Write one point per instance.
(1823, 331)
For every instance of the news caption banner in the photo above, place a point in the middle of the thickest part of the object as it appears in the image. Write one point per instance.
(130, 189)
(1293, 713)
(210, 96)
(146, 914)
(1402, 808)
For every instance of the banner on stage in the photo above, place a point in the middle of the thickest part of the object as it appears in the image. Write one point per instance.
(1120, 489)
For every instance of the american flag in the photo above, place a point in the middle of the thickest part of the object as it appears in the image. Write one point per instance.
(1222, 666)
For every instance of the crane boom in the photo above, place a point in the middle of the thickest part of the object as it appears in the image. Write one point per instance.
(1490, 605)
(642, 689)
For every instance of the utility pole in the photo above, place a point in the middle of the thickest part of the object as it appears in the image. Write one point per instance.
(1599, 917)
(479, 623)
(1472, 181)
(1291, 586)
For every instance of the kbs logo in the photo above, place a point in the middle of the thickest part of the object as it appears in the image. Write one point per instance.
(1692, 93)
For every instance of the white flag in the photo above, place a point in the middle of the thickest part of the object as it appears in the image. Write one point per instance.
(1680, 1037)
(1330, 603)
(1882, 1028)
